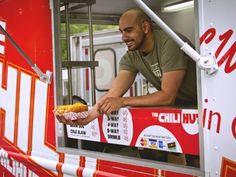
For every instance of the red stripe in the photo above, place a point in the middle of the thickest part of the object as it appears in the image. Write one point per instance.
(59, 164)
(87, 78)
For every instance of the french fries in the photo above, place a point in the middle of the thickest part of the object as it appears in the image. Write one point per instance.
(77, 107)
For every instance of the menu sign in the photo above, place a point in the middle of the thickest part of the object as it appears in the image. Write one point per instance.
(166, 129)
(118, 127)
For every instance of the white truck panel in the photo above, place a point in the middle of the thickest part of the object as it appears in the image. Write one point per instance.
(218, 90)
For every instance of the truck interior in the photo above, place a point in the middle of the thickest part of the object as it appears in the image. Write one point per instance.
(67, 72)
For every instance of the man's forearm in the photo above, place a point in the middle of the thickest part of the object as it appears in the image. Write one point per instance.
(154, 99)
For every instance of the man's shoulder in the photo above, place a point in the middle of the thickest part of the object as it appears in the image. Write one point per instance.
(160, 33)
(129, 57)
(161, 36)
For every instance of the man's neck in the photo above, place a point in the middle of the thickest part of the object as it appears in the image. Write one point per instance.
(148, 44)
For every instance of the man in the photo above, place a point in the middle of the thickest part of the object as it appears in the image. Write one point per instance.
(158, 58)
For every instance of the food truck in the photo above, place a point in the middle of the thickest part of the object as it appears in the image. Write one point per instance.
(133, 141)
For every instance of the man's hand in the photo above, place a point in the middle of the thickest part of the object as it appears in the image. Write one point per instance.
(109, 104)
(81, 121)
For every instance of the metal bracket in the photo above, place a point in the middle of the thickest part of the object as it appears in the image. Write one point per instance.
(43, 77)
(207, 63)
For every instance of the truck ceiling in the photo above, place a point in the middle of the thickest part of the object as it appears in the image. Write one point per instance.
(105, 11)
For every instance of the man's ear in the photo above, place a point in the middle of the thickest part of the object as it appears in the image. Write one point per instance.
(146, 27)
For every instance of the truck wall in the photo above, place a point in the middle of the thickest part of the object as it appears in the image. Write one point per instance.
(27, 124)
(217, 30)
(26, 103)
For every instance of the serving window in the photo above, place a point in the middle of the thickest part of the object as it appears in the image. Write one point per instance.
(166, 134)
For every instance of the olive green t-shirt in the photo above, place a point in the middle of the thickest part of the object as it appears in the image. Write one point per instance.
(166, 56)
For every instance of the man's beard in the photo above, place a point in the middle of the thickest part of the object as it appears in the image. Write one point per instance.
(138, 46)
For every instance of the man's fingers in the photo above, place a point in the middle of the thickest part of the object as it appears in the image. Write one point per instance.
(103, 105)
(64, 121)
(80, 122)
(61, 119)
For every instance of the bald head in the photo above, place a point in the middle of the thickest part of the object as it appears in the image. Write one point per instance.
(137, 14)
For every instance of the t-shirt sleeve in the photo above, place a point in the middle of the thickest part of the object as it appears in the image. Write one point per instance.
(172, 57)
(126, 63)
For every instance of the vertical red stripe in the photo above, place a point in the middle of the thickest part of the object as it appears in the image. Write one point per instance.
(2, 122)
(86, 70)
(59, 164)
(81, 166)
(87, 79)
